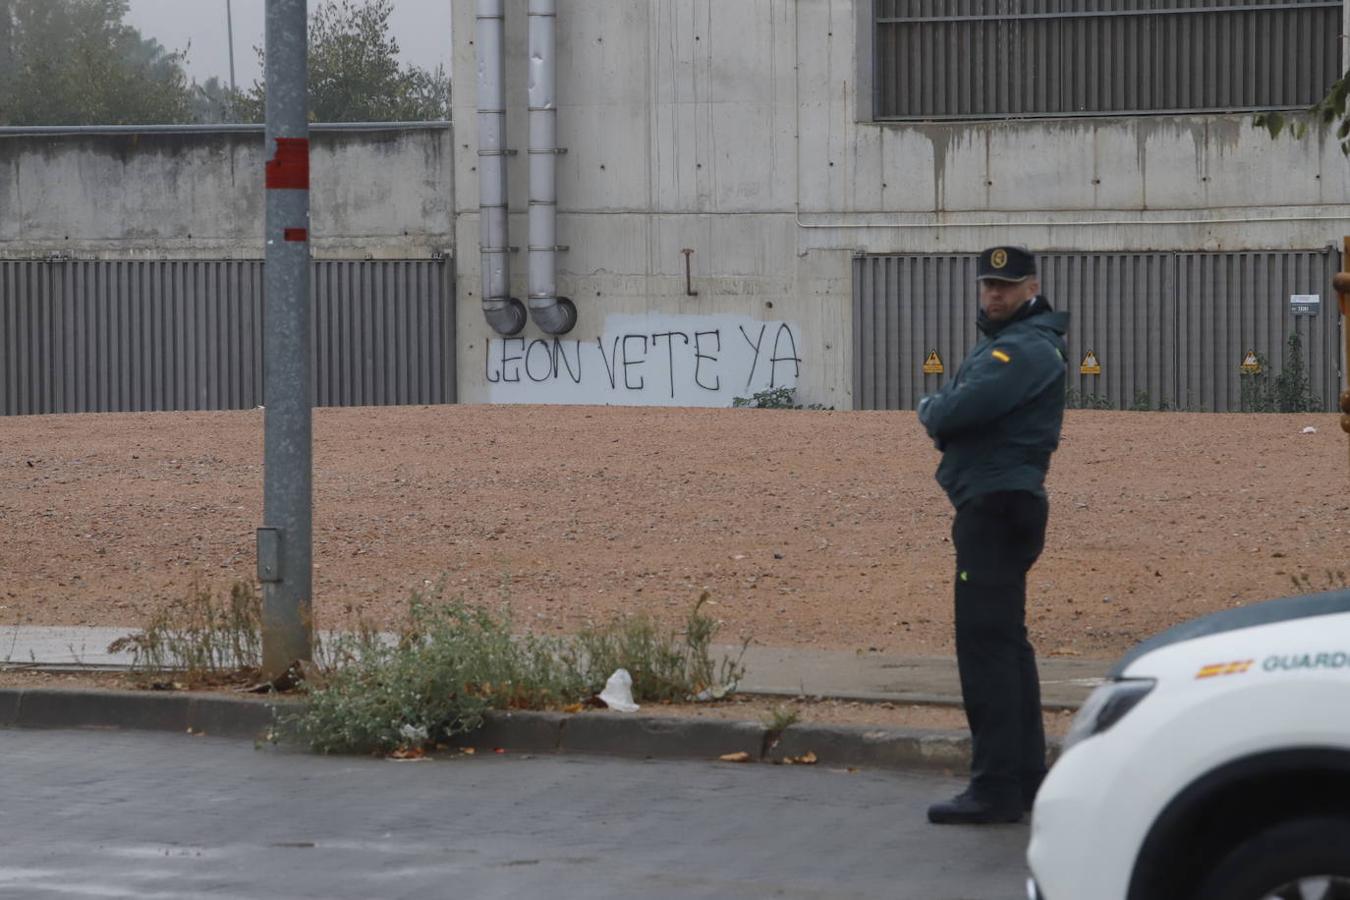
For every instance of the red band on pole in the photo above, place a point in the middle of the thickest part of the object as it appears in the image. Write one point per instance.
(295, 234)
(289, 169)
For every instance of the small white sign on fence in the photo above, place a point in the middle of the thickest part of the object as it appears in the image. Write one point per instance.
(1305, 304)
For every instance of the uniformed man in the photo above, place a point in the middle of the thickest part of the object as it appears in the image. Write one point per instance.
(996, 423)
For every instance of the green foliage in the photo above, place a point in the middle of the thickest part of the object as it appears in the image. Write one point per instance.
(780, 719)
(774, 398)
(1074, 399)
(1288, 392)
(1188, 405)
(200, 637)
(666, 666)
(1330, 110)
(771, 398)
(436, 677)
(1254, 388)
(354, 75)
(1143, 401)
(451, 663)
(75, 62)
(214, 102)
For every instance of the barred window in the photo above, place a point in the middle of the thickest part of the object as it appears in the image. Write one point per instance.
(965, 59)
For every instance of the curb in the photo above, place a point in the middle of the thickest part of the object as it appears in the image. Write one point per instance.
(137, 710)
(595, 733)
(899, 698)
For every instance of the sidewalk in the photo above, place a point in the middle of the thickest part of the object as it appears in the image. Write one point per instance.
(770, 671)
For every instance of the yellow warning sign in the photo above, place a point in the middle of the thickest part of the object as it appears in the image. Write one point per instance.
(933, 364)
(1090, 366)
(1250, 364)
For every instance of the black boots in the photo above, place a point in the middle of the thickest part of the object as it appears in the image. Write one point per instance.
(968, 808)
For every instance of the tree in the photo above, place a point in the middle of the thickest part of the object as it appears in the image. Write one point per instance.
(75, 62)
(354, 75)
(214, 102)
(6, 46)
(1329, 110)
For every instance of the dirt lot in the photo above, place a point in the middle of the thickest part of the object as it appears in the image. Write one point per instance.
(808, 528)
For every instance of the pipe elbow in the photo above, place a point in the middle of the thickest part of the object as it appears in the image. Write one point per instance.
(505, 316)
(554, 315)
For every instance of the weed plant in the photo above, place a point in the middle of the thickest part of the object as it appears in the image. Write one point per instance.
(435, 677)
(666, 666)
(449, 665)
(774, 398)
(452, 662)
(200, 637)
(1075, 399)
(779, 720)
(1290, 391)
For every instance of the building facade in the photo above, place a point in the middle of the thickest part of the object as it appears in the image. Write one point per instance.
(834, 165)
(750, 195)
(131, 267)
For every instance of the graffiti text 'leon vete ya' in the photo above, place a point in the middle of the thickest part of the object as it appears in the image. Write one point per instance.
(512, 360)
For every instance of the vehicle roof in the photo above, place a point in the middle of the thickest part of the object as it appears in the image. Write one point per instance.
(1269, 612)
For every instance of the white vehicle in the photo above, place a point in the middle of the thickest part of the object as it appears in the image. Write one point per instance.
(1214, 764)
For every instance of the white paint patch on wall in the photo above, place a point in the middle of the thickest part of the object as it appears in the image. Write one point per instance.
(654, 360)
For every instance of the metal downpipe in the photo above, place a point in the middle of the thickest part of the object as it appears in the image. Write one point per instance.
(553, 314)
(504, 313)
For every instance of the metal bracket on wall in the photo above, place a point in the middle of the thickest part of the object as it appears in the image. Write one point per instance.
(269, 555)
(688, 278)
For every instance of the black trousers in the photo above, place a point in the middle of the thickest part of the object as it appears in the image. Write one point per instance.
(998, 537)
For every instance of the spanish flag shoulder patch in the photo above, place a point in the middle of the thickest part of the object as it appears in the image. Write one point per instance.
(1001, 356)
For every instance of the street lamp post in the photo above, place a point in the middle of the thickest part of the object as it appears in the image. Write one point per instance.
(285, 542)
(229, 31)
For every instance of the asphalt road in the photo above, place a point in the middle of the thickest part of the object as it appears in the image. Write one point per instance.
(123, 814)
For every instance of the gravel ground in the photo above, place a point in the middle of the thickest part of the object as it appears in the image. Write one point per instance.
(807, 528)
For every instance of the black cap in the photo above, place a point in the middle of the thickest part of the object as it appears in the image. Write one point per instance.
(1005, 264)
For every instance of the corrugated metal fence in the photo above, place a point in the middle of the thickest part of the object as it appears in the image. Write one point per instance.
(970, 58)
(1170, 330)
(130, 336)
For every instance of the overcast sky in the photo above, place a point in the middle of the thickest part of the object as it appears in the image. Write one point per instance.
(421, 27)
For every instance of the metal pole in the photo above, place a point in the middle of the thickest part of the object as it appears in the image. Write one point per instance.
(503, 312)
(1341, 282)
(553, 314)
(285, 542)
(229, 29)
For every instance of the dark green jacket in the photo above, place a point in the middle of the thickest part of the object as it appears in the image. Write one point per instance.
(998, 420)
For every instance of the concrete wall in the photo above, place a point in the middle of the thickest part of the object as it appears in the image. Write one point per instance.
(167, 193)
(730, 127)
